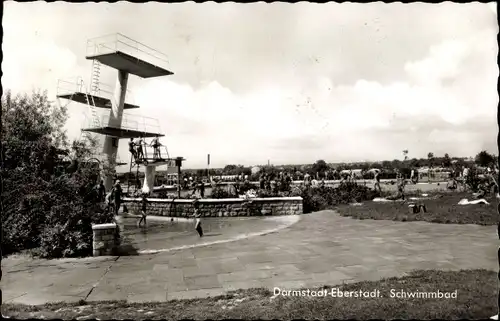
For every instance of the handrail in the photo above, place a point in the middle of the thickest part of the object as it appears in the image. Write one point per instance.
(117, 37)
(143, 45)
(104, 42)
(76, 84)
(133, 122)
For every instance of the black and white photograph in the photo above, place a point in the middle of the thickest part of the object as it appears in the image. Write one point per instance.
(250, 161)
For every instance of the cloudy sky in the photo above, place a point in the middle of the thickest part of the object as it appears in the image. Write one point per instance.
(289, 83)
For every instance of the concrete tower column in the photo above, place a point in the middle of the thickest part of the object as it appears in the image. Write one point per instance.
(149, 179)
(110, 148)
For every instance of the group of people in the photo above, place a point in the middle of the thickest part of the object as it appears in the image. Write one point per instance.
(135, 147)
(280, 182)
(309, 181)
(113, 199)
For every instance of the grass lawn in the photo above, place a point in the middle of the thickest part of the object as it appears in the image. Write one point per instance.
(443, 209)
(476, 299)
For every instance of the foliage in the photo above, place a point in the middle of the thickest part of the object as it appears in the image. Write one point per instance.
(320, 167)
(472, 180)
(236, 170)
(220, 192)
(245, 187)
(49, 201)
(446, 160)
(484, 159)
(264, 193)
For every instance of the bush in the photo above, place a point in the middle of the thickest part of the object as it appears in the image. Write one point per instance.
(472, 180)
(220, 192)
(317, 199)
(49, 206)
(265, 193)
(246, 186)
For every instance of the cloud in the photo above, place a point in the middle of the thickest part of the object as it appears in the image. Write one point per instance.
(337, 81)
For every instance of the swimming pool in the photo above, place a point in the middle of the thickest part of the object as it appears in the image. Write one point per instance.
(163, 234)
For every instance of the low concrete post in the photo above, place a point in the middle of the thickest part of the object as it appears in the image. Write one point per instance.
(105, 239)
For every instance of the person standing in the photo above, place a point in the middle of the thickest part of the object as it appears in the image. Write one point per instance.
(102, 192)
(117, 191)
(401, 184)
(377, 181)
(140, 151)
(155, 143)
(109, 202)
(307, 180)
(202, 188)
(262, 181)
(197, 217)
(144, 204)
(131, 148)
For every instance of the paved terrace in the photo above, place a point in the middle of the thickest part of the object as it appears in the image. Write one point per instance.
(322, 248)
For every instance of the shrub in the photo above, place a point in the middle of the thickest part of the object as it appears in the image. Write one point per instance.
(472, 180)
(246, 186)
(49, 206)
(220, 192)
(317, 199)
(263, 193)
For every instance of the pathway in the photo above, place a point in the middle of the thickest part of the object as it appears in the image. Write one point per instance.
(322, 248)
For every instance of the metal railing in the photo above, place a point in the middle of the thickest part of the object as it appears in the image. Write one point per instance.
(149, 153)
(69, 86)
(118, 42)
(132, 122)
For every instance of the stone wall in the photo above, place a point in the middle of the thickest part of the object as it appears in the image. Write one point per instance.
(106, 239)
(219, 207)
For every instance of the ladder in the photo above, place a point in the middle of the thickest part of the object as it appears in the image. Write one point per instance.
(91, 103)
(93, 90)
(94, 79)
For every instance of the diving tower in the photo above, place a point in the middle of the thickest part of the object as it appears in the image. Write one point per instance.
(127, 57)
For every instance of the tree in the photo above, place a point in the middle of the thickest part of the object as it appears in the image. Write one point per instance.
(230, 169)
(430, 157)
(446, 160)
(414, 162)
(320, 167)
(484, 159)
(47, 204)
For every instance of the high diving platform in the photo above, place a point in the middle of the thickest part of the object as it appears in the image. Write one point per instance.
(170, 162)
(126, 56)
(74, 89)
(122, 53)
(132, 126)
(99, 102)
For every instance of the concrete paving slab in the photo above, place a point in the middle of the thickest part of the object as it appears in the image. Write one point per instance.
(245, 275)
(108, 292)
(321, 249)
(202, 282)
(194, 271)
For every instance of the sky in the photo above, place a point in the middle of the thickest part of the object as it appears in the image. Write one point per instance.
(284, 83)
